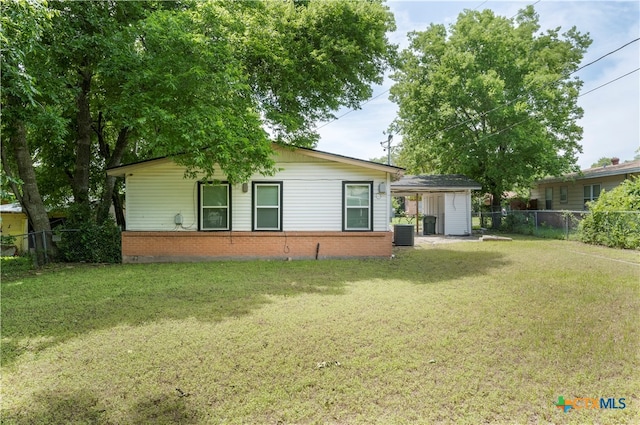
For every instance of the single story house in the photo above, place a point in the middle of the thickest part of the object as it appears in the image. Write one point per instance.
(445, 197)
(316, 205)
(14, 222)
(571, 192)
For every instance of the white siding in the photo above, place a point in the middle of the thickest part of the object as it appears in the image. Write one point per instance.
(154, 195)
(457, 213)
(312, 196)
(433, 204)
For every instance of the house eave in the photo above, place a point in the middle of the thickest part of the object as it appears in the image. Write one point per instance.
(123, 170)
(396, 172)
(631, 168)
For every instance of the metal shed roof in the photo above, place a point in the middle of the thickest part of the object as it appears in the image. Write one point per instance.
(433, 183)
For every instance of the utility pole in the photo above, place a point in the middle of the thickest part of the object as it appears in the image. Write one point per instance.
(388, 148)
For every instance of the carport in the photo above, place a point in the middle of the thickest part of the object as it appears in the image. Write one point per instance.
(445, 198)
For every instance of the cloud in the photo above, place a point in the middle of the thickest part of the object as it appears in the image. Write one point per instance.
(611, 120)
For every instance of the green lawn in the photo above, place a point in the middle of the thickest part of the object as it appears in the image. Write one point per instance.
(490, 332)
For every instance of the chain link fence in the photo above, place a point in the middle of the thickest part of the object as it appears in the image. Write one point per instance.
(554, 224)
(41, 246)
(92, 244)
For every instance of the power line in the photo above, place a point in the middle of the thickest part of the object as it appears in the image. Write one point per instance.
(480, 5)
(609, 82)
(508, 103)
(497, 108)
(605, 55)
(352, 110)
(533, 116)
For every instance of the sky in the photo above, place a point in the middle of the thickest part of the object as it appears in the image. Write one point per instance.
(611, 120)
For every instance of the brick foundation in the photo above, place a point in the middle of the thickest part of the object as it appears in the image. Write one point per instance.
(151, 247)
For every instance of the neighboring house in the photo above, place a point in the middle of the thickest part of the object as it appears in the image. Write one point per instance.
(316, 205)
(445, 197)
(572, 191)
(13, 222)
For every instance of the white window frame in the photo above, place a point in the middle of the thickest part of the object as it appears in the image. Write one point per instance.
(202, 207)
(346, 207)
(256, 207)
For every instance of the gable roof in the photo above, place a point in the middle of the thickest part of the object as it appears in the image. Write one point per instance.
(434, 183)
(631, 167)
(122, 170)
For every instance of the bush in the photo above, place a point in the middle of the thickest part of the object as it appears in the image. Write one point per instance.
(11, 266)
(517, 223)
(87, 241)
(614, 219)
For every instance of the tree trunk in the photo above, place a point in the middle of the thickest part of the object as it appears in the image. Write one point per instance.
(117, 205)
(83, 142)
(28, 193)
(112, 160)
(496, 210)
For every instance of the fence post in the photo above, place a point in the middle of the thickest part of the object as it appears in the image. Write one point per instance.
(44, 245)
(32, 236)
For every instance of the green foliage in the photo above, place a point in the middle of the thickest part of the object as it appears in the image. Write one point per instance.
(601, 162)
(198, 81)
(15, 266)
(247, 342)
(491, 98)
(5, 187)
(84, 240)
(7, 239)
(614, 219)
(518, 223)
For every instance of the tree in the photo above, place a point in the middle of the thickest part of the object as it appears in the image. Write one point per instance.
(491, 98)
(602, 162)
(23, 24)
(208, 83)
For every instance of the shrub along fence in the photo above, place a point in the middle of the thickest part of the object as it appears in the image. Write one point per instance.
(620, 229)
(91, 244)
(617, 229)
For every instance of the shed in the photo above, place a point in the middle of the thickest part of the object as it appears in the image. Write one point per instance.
(447, 197)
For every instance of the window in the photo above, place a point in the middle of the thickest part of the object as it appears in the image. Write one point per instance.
(357, 201)
(548, 198)
(591, 193)
(267, 206)
(215, 206)
(564, 194)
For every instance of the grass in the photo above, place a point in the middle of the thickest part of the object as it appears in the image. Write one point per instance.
(13, 267)
(452, 333)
